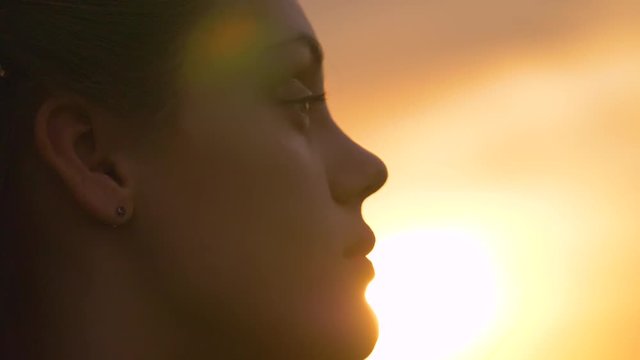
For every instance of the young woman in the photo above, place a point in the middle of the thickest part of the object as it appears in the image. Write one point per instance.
(174, 187)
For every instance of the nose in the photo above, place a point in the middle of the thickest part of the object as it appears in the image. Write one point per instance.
(354, 173)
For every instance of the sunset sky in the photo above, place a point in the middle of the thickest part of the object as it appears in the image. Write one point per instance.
(511, 128)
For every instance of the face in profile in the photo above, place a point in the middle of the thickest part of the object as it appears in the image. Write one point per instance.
(250, 210)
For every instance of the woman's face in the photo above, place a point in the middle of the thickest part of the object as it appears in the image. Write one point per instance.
(250, 209)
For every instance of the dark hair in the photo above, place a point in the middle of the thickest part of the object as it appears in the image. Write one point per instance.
(120, 54)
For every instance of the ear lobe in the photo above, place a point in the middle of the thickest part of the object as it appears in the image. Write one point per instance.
(65, 136)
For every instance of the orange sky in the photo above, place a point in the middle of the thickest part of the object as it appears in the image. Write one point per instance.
(422, 46)
(519, 117)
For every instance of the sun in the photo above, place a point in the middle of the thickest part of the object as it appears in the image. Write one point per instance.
(436, 293)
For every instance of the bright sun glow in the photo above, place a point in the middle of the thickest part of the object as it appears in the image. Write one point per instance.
(436, 293)
(536, 170)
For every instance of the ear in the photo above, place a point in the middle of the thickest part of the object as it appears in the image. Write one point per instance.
(67, 132)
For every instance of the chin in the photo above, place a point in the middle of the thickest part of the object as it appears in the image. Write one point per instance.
(364, 334)
(350, 335)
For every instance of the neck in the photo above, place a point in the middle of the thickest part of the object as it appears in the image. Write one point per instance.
(85, 307)
(93, 304)
(84, 294)
(97, 304)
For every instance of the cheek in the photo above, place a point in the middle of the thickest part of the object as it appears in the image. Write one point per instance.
(237, 225)
(243, 217)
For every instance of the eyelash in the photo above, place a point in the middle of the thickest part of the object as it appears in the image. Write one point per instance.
(307, 101)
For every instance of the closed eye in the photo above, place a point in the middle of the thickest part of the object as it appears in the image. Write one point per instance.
(305, 103)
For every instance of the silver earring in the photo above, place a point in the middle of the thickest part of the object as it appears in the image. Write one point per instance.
(121, 211)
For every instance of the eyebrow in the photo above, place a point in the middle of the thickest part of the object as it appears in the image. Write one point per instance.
(308, 41)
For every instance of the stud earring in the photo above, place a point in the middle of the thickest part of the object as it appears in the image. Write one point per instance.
(121, 211)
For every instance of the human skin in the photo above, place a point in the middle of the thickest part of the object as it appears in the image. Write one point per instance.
(243, 236)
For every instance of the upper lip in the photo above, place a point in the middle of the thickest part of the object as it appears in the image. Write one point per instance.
(363, 244)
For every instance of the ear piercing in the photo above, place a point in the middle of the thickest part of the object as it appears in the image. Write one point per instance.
(121, 211)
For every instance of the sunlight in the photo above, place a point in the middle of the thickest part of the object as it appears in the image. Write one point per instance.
(528, 145)
(543, 158)
(436, 293)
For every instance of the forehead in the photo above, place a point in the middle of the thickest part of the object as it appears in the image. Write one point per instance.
(286, 16)
(235, 35)
(271, 20)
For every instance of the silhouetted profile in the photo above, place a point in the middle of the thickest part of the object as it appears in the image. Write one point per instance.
(174, 186)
